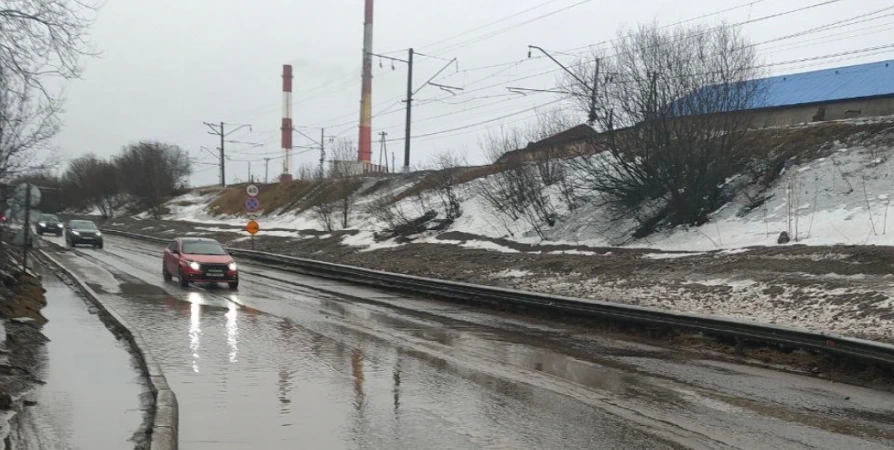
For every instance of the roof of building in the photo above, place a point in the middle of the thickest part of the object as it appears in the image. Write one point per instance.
(572, 135)
(827, 85)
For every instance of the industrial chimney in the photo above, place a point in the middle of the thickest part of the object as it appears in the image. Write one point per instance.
(286, 123)
(365, 141)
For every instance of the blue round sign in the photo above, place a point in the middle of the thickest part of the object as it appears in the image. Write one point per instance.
(252, 204)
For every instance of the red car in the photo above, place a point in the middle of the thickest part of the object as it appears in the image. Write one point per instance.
(199, 260)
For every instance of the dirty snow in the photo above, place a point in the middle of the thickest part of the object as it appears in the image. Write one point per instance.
(511, 273)
(669, 255)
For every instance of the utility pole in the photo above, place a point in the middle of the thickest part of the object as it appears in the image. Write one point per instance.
(218, 130)
(266, 167)
(410, 93)
(27, 229)
(383, 152)
(409, 112)
(249, 172)
(592, 112)
(322, 152)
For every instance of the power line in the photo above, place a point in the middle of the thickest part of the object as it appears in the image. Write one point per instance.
(509, 28)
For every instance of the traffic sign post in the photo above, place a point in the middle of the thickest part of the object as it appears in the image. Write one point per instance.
(252, 204)
(252, 229)
(252, 190)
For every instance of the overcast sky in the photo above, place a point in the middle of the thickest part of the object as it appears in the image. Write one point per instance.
(168, 65)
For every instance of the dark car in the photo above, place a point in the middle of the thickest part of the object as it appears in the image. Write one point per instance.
(83, 232)
(199, 260)
(49, 223)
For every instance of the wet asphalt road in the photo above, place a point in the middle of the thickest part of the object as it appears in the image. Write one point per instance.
(291, 361)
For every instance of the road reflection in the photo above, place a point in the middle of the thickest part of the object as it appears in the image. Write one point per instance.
(195, 330)
(232, 331)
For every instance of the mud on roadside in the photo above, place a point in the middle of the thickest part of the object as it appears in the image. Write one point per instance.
(21, 300)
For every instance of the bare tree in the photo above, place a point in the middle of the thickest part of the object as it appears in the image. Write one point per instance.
(667, 102)
(42, 39)
(39, 40)
(340, 193)
(28, 121)
(152, 172)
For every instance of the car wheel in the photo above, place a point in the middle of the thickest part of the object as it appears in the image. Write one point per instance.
(183, 281)
(99, 246)
(39, 233)
(165, 274)
(234, 285)
(58, 233)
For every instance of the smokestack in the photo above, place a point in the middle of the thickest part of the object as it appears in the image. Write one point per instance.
(286, 123)
(365, 141)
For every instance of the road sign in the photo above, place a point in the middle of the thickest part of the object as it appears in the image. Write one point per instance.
(252, 204)
(252, 190)
(252, 228)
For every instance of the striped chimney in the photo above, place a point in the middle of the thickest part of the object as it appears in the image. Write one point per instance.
(286, 123)
(365, 149)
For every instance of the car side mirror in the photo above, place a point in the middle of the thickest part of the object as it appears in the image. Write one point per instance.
(175, 252)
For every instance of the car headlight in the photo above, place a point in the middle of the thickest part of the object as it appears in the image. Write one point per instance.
(195, 266)
(232, 266)
(98, 233)
(43, 224)
(75, 233)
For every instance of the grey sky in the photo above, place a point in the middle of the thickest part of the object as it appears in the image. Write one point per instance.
(168, 65)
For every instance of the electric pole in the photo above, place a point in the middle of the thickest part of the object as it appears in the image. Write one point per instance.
(249, 172)
(591, 116)
(409, 112)
(266, 167)
(410, 93)
(383, 151)
(322, 152)
(218, 130)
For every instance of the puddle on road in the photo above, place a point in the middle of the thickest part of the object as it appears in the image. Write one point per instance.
(246, 379)
(92, 396)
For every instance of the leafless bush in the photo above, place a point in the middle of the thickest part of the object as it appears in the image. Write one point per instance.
(324, 212)
(96, 183)
(151, 172)
(444, 180)
(666, 102)
(517, 190)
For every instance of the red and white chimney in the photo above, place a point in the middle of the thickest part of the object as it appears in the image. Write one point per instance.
(286, 123)
(365, 141)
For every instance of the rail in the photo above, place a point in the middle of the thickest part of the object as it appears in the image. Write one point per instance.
(860, 349)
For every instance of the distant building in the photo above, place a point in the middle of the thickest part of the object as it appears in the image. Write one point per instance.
(571, 142)
(864, 90)
(340, 169)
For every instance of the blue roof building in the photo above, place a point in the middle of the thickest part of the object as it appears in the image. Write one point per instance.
(863, 90)
(829, 85)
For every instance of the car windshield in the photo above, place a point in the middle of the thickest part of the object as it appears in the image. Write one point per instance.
(82, 225)
(49, 218)
(203, 248)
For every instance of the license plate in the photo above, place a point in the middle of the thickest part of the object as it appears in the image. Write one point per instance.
(215, 274)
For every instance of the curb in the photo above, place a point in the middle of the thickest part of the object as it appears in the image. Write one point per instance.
(165, 420)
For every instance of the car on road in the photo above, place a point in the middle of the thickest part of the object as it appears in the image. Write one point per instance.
(49, 223)
(199, 260)
(79, 232)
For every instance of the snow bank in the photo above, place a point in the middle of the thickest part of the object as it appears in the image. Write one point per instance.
(841, 199)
